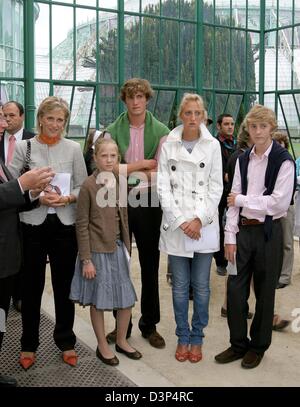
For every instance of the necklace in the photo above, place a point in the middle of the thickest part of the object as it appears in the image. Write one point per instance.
(49, 140)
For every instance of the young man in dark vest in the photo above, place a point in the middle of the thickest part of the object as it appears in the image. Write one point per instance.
(139, 137)
(262, 190)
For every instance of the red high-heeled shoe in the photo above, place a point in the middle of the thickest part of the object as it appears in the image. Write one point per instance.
(70, 359)
(26, 361)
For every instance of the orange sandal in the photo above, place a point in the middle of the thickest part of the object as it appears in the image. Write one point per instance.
(182, 356)
(70, 359)
(195, 357)
(26, 361)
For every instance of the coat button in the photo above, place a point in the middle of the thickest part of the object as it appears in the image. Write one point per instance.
(175, 186)
(165, 226)
(176, 201)
(173, 168)
(202, 165)
(201, 183)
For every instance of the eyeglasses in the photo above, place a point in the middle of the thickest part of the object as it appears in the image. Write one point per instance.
(196, 113)
(50, 188)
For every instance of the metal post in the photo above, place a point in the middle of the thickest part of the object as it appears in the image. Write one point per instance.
(262, 52)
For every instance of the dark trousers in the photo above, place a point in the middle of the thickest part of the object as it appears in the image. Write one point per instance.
(58, 241)
(220, 256)
(263, 260)
(144, 223)
(6, 289)
(17, 289)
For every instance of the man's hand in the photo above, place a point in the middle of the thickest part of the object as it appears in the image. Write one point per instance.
(231, 199)
(230, 250)
(37, 178)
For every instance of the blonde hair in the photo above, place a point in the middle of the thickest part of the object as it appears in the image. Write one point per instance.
(103, 142)
(243, 136)
(190, 97)
(281, 138)
(260, 113)
(135, 85)
(48, 105)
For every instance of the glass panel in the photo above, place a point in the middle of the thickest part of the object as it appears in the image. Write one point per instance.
(284, 59)
(11, 91)
(208, 11)
(11, 39)
(290, 113)
(297, 12)
(108, 43)
(150, 6)
(42, 90)
(208, 56)
(238, 53)
(271, 14)
(296, 61)
(113, 4)
(169, 56)
(269, 101)
(80, 111)
(132, 48)
(164, 105)
(108, 105)
(42, 63)
(270, 67)
(239, 13)
(188, 9)
(170, 8)
(222, 11)
(85, 39)
(234, 104)
(220, 103)
(92, 3)
(221, 69)
(62, 42)
(254, 15)
(187, 54)
(286, 12)
(132, 6)
(64, 92)
(150, 49)
(252, 61)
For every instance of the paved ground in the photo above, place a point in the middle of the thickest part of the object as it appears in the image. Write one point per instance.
(280, 366)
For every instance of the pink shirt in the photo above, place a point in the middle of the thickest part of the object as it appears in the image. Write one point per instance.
(256, 205)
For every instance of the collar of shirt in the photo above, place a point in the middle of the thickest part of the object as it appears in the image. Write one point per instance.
(137, 127)
(18, 135)
(265, 154)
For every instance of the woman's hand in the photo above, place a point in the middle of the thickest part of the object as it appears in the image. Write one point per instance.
(51, 199)
(89, 271)
(192, 228)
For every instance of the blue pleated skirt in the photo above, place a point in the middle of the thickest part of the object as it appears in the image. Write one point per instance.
(111, 288)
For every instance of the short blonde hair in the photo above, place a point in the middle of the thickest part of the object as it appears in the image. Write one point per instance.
(103, 142)
(190, 97)
(134, 85)
(48, 105)
(262, 114)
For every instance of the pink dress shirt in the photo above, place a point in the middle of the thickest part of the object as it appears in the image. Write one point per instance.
(256, 205)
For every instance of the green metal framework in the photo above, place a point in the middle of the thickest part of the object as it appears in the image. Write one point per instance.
(225, 50)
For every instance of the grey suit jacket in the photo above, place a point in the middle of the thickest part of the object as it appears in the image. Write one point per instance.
(66, 156)
(12, 201)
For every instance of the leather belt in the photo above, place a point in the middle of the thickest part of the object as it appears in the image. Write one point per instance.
(250, 222)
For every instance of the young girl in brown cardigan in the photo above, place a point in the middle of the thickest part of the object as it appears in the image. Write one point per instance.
(101, 277)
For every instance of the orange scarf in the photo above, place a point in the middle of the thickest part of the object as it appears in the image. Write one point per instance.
(49, 140)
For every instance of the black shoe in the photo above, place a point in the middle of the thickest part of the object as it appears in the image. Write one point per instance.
(221, 270)
(229, 355)
(251, 359)
(281, 285)
(131, 355)
(111, 337)
(108, 361)
(17, 305)
(6, 381)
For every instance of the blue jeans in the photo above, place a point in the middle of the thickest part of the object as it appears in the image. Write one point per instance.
(194, 271)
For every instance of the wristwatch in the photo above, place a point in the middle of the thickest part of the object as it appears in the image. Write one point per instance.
(86, 261)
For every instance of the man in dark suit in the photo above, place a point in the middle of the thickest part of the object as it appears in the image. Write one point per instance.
(14, 197)
(14, 114)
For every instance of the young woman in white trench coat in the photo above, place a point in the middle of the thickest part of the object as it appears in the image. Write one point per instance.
(190, 187)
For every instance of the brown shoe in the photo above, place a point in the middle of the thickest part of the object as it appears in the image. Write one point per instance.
(111, 337)
(251, 359)
(155, 339)
(224, 313)
(229, 355)
(280, 324)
